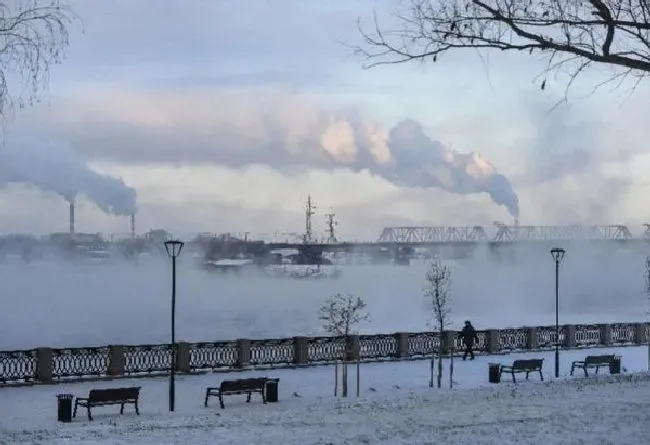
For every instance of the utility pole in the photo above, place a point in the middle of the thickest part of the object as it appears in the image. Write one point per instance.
(310, 210)
(331, 227)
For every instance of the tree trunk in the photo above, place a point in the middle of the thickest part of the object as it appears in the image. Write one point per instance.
(431, 366)
(358, 376)
(451, 367)
(345, 378)
(440, 369)
(336, 378)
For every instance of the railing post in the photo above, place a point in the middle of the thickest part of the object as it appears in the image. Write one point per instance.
(116, 360)
(183, 357)
(243, 352)
(402, 342)
(492, 344)
(605, 334)
(300, 350)
(353, 348)
(570, 338)
(44, 365)
(532, 342)
(640, 337)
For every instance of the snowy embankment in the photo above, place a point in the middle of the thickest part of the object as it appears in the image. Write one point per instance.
(396, 407)
(596, 410)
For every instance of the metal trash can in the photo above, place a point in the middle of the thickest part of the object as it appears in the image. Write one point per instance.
(494, 372)
(615, 365)
(271, 390)
(64, 405)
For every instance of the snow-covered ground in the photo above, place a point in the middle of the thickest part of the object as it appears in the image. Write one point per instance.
(396, 407)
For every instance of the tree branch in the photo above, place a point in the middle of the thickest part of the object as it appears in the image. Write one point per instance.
(32, 38)
(573, 34)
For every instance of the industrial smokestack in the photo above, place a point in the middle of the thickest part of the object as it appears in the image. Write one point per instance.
(132, 225)
(71, 217)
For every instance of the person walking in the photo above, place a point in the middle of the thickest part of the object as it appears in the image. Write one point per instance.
(468, 334)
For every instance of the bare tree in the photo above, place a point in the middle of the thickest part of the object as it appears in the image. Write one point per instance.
(33, 37)
(340, 315)
(572, 35)
(647, 290)
(436, 290)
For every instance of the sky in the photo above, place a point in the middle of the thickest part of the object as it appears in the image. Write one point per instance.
(223, 116)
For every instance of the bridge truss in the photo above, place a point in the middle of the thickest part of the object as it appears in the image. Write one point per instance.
(441, 234)
(468, 234)
(562, 233)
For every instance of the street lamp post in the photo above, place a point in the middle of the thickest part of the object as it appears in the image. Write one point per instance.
(173, 248)
(558, 254)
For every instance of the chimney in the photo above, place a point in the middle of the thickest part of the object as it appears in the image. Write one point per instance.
(132, 225)
(71, 217)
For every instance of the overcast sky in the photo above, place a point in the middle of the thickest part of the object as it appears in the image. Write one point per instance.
(215, 112)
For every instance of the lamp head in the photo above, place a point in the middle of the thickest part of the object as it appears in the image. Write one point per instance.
(174, 247)
(558, 254)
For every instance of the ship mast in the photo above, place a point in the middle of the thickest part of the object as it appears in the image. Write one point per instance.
(310, 210)
(331, 227)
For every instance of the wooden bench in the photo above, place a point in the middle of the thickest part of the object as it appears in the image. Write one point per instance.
(593, 361)
(239, 386)
(527, 366)
(108, 396)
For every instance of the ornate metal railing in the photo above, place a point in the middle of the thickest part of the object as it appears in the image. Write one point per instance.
(422, 343)
(215, 355)
(325, 349)
(147, 359)
(622, 334)
(51, 365)
(271, 352)
(79, 362)
(588, 334)
(17, 366)
(547, 337)
(377, 347)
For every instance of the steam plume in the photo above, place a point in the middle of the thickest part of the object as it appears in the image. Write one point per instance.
(57, 168)
(404, 155)
(287, 131)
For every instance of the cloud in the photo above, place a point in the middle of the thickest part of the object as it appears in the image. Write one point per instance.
(54, 167)
(284, 132)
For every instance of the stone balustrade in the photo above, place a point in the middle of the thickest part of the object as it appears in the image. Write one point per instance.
(51, 365)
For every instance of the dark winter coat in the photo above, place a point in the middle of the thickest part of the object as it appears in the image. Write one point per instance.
(468, 334)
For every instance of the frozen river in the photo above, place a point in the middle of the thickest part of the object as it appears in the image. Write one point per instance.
(59, 304)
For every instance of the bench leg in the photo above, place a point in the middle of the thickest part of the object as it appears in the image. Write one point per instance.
(122, 409)
(597, 368)
(527, 375)
(207, 394)
(221, 401)
(90, 417)
(586, 372)
(248, 397)
(541, 376)
(263, 396)
(573, 367)
(74, 413)
(513, 377)
(137, 410)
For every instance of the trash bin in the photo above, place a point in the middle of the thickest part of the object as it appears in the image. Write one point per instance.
(271, 390)
(64, 405)
(615, 365)
(494, 372)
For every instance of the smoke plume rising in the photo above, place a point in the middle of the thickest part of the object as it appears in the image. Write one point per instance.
(282, 132)
(55, 167)
(405, 155)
